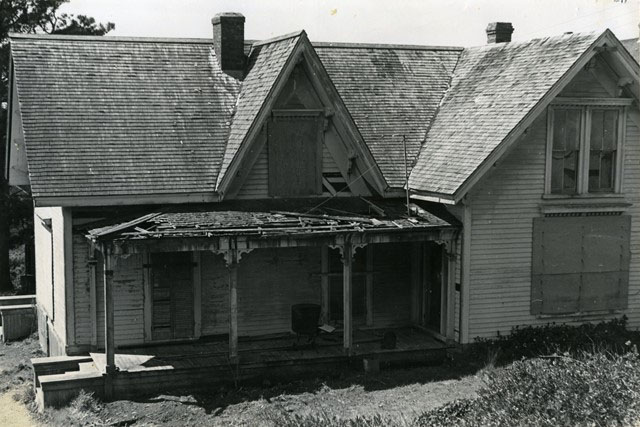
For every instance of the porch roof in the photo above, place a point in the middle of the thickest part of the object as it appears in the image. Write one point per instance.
(274, 218)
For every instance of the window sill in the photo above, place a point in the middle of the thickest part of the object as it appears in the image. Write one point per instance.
(561, 203)
(581, 315)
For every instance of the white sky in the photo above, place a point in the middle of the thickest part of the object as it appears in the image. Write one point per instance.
(430, 22)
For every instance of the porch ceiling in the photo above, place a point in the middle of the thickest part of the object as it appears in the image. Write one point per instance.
(273, 219)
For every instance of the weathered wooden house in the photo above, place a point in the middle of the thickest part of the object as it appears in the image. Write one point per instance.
(196, 201)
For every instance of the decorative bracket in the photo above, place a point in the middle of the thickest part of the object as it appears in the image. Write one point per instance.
(354, 246)
(232, 256)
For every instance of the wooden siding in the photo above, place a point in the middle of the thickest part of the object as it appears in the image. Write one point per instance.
(82, 290)
(584, 84)
(128, 300)
(504, 205)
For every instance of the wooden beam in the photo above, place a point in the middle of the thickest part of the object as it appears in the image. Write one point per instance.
(417, 281)
(197, 294)
(93, 296)
(233, 306)
(147, 298)
(451, 290)
(324, 284)
(347, 294)
(109, 342)
(466, 274)
(369, 285)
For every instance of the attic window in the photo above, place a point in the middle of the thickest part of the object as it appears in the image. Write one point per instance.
(584, 151)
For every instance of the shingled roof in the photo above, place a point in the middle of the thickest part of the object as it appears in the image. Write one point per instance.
(391, 92)
(493, 88)
(107, 116)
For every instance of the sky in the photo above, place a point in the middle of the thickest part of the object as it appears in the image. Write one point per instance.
(425, 22)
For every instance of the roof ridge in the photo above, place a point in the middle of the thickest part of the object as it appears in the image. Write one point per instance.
(107, 38)
(554, 37)
(383, 46)
(278, 38)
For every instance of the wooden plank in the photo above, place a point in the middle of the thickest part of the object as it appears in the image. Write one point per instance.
(466, 274)
(347, 293)
(369, 285)
(451, 290)
(93, 298)
(147, 298)
(233, 310)
(109, 343)
(324, 283)
(197, 294)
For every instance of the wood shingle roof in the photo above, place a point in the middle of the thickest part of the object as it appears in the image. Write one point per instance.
(492, 90)
(391, 92)
(104, 116)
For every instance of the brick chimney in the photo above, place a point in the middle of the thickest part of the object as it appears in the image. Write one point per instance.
(228, 42)
(499, 32)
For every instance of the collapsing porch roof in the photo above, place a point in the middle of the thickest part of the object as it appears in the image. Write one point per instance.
(269, 219)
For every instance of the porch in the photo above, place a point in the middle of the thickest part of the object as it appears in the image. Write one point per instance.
(230, 280)
(205, 363)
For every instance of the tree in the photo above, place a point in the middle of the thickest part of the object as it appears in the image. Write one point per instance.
(27, 16)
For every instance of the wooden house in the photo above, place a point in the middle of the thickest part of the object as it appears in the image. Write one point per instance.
(195, 199)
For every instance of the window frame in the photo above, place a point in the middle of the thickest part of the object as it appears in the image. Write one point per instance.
(586, 106)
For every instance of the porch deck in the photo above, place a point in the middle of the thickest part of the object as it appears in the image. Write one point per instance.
(203, 363)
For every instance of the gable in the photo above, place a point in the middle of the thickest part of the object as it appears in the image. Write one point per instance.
(299, 102)
(490, 104)
(300, 92)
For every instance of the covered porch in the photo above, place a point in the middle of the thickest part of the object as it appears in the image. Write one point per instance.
(221, 290)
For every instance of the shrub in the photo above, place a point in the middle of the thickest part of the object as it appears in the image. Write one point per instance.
(533, 341)
(593, 389)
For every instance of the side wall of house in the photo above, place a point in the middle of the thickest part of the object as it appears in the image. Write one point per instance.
(52, 226)
(504, 205)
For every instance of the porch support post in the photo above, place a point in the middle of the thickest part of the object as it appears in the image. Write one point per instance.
(233, 306)
(369, 285)
(93, 297)
(109, 347)
(347, 292)
(450, 256)
(324, 284)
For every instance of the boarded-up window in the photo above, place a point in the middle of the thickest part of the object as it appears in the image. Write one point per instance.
(295, 144)
(172, 295)
(580, 264)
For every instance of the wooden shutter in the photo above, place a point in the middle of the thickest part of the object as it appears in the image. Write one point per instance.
(580, 264)
(295, 156)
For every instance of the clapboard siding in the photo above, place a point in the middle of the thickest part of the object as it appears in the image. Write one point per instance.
(271, 281)
(631, 187)
(503, 207)
(256, 185)
(328, 163)
(81, 290)
(215, 294)
(128, 300)
(586, 85)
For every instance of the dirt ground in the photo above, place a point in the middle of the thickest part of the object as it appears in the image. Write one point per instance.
(394, 393)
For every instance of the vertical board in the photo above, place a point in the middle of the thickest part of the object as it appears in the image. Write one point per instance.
(294, 147)
(172, 300)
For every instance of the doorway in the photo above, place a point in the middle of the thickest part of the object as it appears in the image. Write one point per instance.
(171, 295)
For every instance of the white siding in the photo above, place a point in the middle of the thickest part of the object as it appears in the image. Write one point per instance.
(81, 290)
(504, 204)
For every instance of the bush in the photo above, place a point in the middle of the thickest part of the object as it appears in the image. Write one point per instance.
(593, 389)
(533, 341)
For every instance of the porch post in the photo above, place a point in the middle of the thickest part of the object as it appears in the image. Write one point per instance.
(324, 284)
(233, 306)
(110, 366)
(450, 257)
(347, 291)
